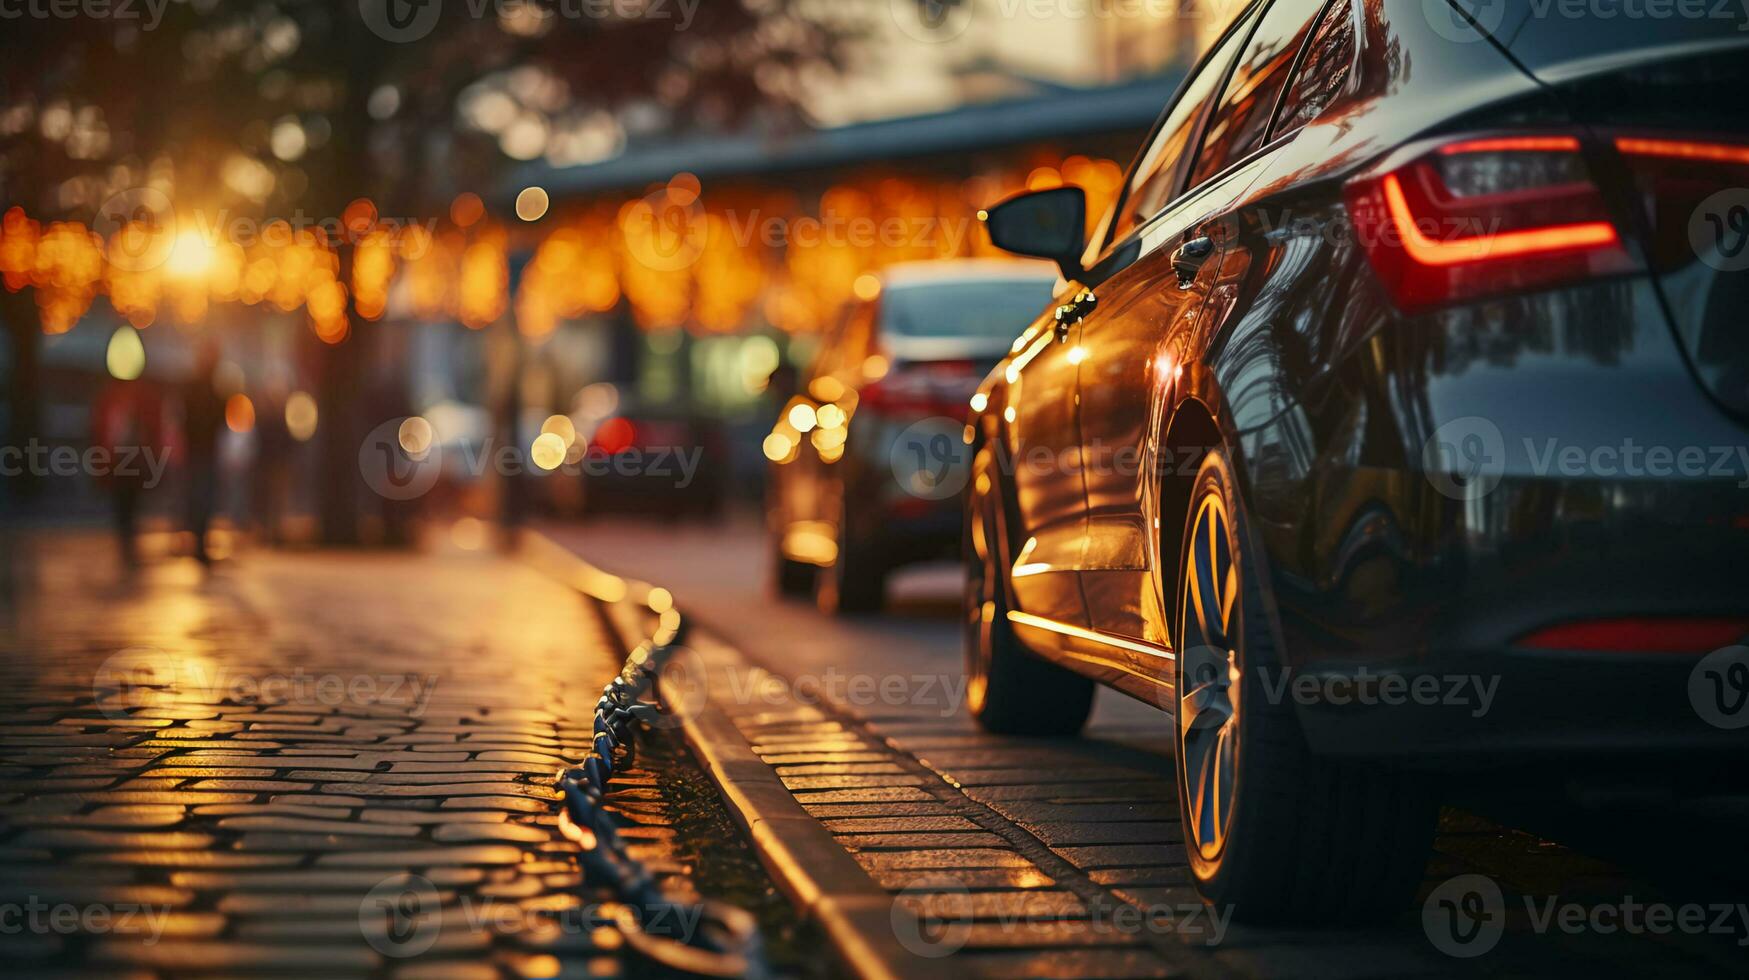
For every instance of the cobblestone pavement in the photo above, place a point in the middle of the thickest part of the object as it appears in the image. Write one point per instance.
(321, 764)
(1064, 857)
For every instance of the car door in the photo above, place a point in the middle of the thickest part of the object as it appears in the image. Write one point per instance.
(1044, 452)
(1153, 316)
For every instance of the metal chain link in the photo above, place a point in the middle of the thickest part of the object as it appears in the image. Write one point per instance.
(711, 939)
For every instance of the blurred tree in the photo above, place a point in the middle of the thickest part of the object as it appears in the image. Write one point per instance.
(262, 109)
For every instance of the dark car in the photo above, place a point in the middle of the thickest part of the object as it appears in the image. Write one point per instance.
(654, 461)
(1390, 426)
(864, 476)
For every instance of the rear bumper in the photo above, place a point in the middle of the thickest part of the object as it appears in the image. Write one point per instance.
(906, 518)
(1491, 472)
(1441, 620)
(1498, 709)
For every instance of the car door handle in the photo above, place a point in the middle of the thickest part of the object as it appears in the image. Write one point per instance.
(1074, 312)
(1189, 257)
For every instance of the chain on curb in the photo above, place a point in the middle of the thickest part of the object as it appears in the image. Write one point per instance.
(725, 941)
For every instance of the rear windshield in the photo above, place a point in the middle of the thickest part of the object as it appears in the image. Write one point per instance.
(987, 308)
(1559, 33)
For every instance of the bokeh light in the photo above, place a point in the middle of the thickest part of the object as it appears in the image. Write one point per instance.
(126, 355)
(300, 416)
(548, 451)
(415, 436)
(532, 203)
(239, 413)
(466, 209)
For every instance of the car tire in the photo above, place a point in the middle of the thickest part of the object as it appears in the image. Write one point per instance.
(1290, 837)
(1009, 690)
(856, 582)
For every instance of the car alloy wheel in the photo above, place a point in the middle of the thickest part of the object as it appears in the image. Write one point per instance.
(1273, 832)
(1211, 675)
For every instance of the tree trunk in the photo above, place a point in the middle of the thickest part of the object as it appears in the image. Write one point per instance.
(23, 390)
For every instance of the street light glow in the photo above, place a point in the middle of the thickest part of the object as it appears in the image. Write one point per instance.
(190, 257)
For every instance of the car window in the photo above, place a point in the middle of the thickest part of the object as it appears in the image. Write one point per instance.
(1324, 71)
(998, 308)
(1241, 118)
(1160, 171)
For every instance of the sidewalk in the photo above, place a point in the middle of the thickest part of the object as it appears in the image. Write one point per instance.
(333, 764)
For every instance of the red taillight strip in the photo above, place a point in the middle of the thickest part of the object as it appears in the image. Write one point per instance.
(1683, 150)
(1639, 635)
(1514, 144)
(1483, 247)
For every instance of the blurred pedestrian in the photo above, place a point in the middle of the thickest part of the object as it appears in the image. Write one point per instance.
(203, 415)
(272, 471)
(127, 422)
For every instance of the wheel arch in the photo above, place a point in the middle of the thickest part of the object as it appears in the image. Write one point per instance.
(985, 431)
(1190, 434)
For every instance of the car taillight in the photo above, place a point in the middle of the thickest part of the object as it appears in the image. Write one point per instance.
(1674, 179)
(1639, 635)
(1480, 217)
(922, 389)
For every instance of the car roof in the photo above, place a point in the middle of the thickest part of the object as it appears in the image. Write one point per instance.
(965, 270)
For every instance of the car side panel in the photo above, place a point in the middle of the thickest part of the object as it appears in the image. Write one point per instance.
(1043, 456)
(1147, 325)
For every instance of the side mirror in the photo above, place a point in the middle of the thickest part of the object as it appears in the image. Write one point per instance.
(1048, 224)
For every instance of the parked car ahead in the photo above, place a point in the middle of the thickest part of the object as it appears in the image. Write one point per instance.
(651, 460)
(1379, 378)
(866, 458)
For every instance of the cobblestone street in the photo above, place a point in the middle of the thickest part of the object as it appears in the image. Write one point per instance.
(341, 764)
(334, 764)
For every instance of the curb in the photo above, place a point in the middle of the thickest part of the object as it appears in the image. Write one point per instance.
(821, 878)
(818, 876)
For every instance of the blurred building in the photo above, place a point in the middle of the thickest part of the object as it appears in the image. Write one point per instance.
(688, 267)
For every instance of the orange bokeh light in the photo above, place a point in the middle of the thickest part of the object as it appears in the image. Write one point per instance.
(466, 209)
(239, 413)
